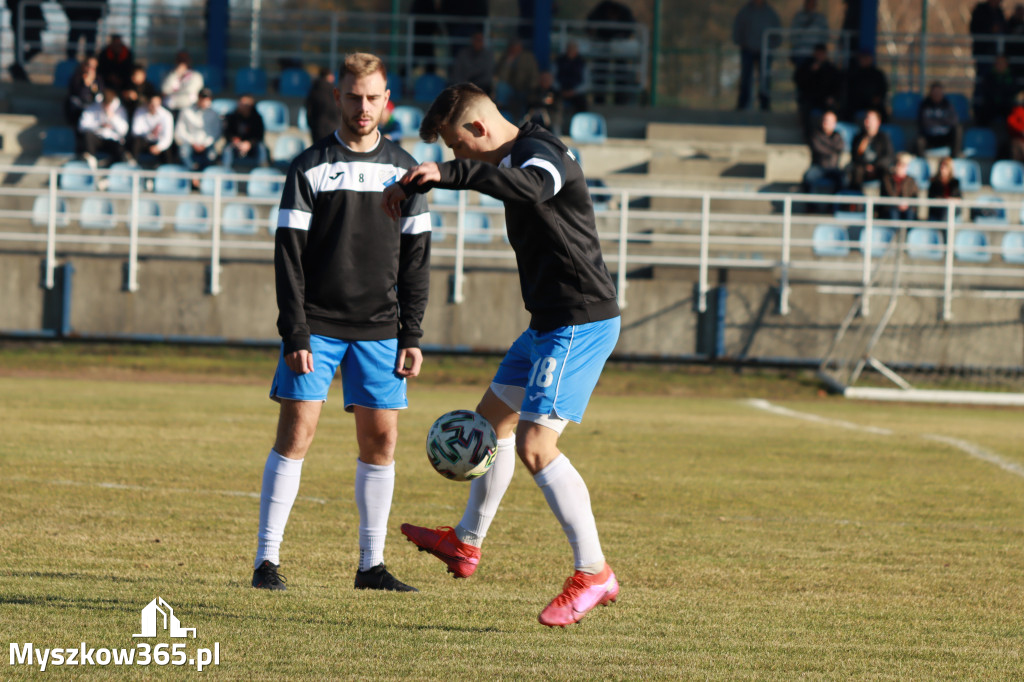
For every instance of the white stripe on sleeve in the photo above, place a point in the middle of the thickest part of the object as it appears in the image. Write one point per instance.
(549, 167)
(298, 220)
(416, 224)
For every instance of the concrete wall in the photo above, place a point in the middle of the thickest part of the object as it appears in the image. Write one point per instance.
(659, 320)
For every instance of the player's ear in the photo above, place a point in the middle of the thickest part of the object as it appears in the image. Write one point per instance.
(478, 128)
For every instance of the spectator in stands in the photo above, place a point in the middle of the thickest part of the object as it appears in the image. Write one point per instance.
(827, 148)
(571, 76)
(459, 30)
(1015, 129)
(152, 132)
(424, 30)
(243, 130)
(474, 64)
(987, 22)
(197, 131)
(137, 91)
(182, 85)
(748, 29)
(898, 184)
(871, 152)
(938, 124)
(518, 68)
(104, 126)
(809, 28)
(866, 87)
(85, 88)
(27, 37)
(818, 87)
(388, 126)
(542, 105)
(943, 186)
(322, 113)
(998, 91)
(1013, 48)
(115, 63)
(83, 22)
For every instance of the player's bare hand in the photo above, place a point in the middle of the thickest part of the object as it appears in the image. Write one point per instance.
(300, 362)
(390, 201)
(409, 362)
(422, 174)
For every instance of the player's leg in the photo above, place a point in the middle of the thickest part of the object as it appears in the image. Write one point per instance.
(301, 397)
(459, 547)
(374, 393)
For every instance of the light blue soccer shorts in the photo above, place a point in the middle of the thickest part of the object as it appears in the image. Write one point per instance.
(548, 377)
(368, 377)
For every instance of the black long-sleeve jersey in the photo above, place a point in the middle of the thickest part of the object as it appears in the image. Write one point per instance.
(344, 269)
(550, 222)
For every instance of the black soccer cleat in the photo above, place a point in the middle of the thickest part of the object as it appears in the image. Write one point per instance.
(266, 577)
(378, 578)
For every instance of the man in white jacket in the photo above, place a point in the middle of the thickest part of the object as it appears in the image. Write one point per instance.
(197, 131)
(104, 126)
(152, 131)
(182, 85)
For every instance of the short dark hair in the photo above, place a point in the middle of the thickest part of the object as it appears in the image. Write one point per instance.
(449, 106)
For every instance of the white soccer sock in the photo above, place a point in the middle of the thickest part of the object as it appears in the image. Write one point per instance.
(280, 487)
(375, 485)
(567, 495)
(485, 494)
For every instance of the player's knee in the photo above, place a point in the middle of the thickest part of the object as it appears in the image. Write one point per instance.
(535, 450)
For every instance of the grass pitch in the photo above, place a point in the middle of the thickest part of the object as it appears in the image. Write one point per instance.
(749, 545)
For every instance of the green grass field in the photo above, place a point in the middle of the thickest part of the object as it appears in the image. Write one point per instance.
(749, 544)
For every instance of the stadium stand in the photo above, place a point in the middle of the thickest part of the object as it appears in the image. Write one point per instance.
(275, 115)
(191, 216)
(1007, 176)
(989, 210)
(150, 216)
(286, 148)
(396, 84)
(41, 212)
(428, 151)
(97, 213)
(223, 106)
(830, 241)
(1013, 247)
(971, 246)
(211, 176)
(895, 133)
(213, 77)
(444, 197)
(905, 106)
(968, 172)
(252, 81)
(265, 182)
(924, 243)
(408, 119)
(847, 131)
(294, 83)
(427, 87)
(588, 127)
(239, 219)
(478, 228)
(63, 72)
(156, 72)
(272, 220)
(119, 178)
(980, 143)
(920, 171)
(171, 179)
(881, 238)
(301, 120)
(76, 176)
(962, 106)
(59, 141)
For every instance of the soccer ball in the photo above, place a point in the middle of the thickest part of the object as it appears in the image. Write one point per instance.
(461, 444)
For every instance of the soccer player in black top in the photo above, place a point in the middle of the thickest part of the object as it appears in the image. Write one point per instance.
(549, 372)
(352, 287)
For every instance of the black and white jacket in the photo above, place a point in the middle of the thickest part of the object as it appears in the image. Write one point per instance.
(550, 222)
(344, 269)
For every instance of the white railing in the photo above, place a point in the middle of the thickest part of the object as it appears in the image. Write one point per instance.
(711, 231)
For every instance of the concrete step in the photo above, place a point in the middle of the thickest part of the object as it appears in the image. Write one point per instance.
(688, 132)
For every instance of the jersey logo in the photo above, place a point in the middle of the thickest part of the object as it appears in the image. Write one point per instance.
(535, 396)
(337, 175)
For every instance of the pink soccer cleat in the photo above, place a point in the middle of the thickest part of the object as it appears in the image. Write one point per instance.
(442, 542)
(580, 594)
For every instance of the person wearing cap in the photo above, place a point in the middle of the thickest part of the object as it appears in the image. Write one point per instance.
(197, 131)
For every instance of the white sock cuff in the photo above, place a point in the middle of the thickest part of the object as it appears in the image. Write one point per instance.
(505, 442)
(284, 466)
(552, 471)
(375, 471)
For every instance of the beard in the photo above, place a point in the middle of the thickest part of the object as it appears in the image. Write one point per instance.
(354, 125)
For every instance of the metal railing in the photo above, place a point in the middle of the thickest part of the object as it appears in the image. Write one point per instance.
(702, 231)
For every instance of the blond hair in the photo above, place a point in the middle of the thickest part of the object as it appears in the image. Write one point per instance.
(362, 64)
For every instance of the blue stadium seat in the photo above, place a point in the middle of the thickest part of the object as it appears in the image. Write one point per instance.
(971, 246)
(1013, 247)
(274, 114)
(408, 120)
(478, 228)
(962, 106)
(120, 178)
(830, 240)
(223, 106)
(76, 176)
(488, 200)
(436, 227)
(920, 171)
(252, 81)
(149, 216)
(98, 214)
(601, 201)
(444, 197)
(905, 106)
(968, 172)
(41, 212)
(503, 93)
(980, 143)
(427, 87)
(192, 216)
(294, 83)
(1006, 176)
(239, 219)
(170, 179)
(213, 76)
(588, 126)
(59, 141)
(847, 131)
(849, 211)
(881, 237)
(156, 72)
(209, 179)
(272, 219)
(924, 243)
(286, 148)
(63, 72)
(428, 151)
(265, 182)
(895, 133)
(396, 85)
(575, 153)
(989, 211)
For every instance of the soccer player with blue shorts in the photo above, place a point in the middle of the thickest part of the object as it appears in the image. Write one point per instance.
(548, 374)
(352, 288)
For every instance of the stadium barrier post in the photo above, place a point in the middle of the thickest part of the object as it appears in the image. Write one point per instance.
(133, 237)
(865, 276)
(947, 276)
(623, 241)
(460, 249)
(51, 229)
(705, 232)
(787, 236)
(215, 239)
